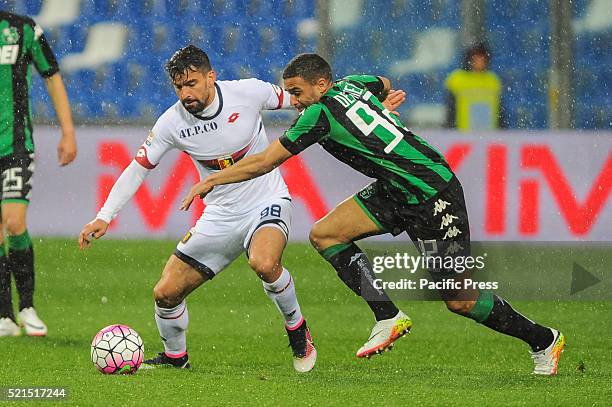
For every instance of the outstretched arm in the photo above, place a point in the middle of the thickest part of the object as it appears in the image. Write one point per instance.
(123, 190)
(248, 168)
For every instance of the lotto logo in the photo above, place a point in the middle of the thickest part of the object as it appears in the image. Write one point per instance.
(233, 117)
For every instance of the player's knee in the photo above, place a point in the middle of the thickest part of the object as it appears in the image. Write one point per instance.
(14, 225)
(165, 297)
(265, 266)
(461, 307)
(319, 235)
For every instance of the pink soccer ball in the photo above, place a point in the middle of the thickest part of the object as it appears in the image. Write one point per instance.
(117, 349)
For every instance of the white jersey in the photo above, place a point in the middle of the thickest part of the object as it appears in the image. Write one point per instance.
(228, 130)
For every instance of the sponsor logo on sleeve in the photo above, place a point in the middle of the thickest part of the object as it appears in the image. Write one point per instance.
(10, 35)
(9, 50)
(149, 139)
(142, 159)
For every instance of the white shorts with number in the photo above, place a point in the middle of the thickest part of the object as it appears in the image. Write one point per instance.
(218, 239)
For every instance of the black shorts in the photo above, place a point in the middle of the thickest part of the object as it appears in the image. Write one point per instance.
(438, 226)
(16, 172)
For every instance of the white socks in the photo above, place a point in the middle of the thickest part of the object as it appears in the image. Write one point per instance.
(282, 293)
(172, 324)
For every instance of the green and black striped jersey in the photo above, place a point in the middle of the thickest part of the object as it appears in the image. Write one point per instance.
(351, 123)
(21, 44)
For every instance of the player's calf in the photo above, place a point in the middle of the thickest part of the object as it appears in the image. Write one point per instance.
(461, 307)
(282, 293)
(172, 326)
(546, 343)
(171, 315)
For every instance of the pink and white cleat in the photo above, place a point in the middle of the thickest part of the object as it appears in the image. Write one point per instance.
(8, 327)
(547, 360)
(32, 324)
(304, 352)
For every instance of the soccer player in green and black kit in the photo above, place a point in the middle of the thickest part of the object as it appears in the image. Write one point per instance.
(22, 44)
(415, 191)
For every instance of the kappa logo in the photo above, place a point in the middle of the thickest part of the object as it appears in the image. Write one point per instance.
(354, 258)
(453, 248)
(233, 117)
(451, 232)
(440, 206)
(447, 219)
(149, 139)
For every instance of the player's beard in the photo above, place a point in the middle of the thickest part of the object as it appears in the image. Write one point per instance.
(193, 106)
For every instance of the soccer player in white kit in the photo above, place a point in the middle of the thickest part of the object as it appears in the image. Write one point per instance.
(216, 123)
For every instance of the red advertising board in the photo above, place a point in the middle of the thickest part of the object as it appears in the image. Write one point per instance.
(519, 185)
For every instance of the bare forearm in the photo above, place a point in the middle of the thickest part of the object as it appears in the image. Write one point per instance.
(251, 167)
(248, 168)
(59, 97)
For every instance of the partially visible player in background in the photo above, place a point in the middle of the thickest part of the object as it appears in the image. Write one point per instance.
(22, 44)
(217, 123)
(474, 99)
(414, 191)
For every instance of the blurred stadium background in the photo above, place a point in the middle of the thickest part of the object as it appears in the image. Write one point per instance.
(112, 52)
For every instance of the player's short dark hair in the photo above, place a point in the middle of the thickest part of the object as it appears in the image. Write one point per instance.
(189, 58)
(480, 48)
(311, 67)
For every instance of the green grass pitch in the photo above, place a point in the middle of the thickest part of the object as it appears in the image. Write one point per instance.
(240, 354)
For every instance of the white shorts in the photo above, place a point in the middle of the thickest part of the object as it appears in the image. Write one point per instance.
(218, 239)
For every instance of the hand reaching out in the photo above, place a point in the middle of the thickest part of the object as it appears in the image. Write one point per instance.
(394, 99)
